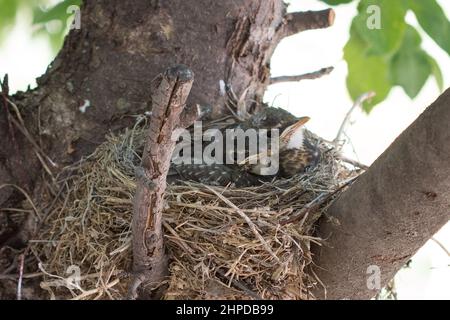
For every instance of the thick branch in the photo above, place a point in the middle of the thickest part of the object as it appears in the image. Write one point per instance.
(300, 21)
(307, 76)
(390, 211)
(168, 102)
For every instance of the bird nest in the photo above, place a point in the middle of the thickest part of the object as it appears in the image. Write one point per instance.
(84, 246)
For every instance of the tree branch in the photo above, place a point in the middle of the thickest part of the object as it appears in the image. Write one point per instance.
(168, 102)
(356, 105)
(307, 76)
(300, 21)
(390, 211)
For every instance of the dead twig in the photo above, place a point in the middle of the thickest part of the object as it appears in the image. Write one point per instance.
(14, 277)
(441, 246)
(20, 125)
(300, 21)
(238, 284)
(356, 105)
(354, 163)
(307, 76)
(19, 282)
(168, 102)
(316, 203)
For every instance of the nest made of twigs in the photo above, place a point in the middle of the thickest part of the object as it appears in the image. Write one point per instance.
(84, 246)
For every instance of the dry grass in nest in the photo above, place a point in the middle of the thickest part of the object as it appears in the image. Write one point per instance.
(214, 253)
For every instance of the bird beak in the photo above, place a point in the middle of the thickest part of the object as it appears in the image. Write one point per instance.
(301, 122)
(288, 132)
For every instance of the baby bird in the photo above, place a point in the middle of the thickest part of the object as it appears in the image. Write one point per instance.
(295, 155)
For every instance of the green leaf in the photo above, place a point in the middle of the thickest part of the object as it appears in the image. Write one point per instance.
(8, 12)
(336, 2)
(58, 12)
(410, 66)
(410, 71)
(437, 73)
(381, 24)
(432, 19)
(365, 72)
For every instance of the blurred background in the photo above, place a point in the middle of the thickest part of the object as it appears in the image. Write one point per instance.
(32, 31)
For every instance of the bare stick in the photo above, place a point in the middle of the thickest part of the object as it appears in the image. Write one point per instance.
(238, 284)
(168, 101)
(307, 76)
(19, 282)
(441, 245)
(357, 104)
(24, 276)
(317, 202)
(300, 21)
(354, 163)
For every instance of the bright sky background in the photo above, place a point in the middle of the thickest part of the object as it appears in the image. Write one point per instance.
(325, 100)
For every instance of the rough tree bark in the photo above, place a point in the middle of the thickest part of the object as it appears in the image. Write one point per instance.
(112, 61)
(390, 211)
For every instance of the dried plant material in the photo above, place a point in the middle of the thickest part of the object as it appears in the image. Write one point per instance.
(217, 250)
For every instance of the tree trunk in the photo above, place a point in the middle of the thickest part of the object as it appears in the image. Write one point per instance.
(390, 211)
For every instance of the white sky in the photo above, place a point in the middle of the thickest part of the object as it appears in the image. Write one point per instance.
(325, 100)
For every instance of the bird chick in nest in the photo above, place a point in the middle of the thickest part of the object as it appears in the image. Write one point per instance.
(295, 154)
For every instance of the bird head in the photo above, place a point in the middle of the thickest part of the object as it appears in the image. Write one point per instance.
(294, 150)
(293, 137)
(297, 153)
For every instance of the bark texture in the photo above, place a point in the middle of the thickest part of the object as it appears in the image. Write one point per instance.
(390, 211)
(168, 102)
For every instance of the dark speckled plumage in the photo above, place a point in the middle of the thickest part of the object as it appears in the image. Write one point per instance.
(295, 161)
(218, 175)
(292, 161)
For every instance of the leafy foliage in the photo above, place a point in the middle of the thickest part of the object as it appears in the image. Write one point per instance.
(58, 12)
(391, 55)
(432, 19)
(51, 22)
(410, 66)
(59, 15)
(368, 72)
(379, 41)
(8, 11)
